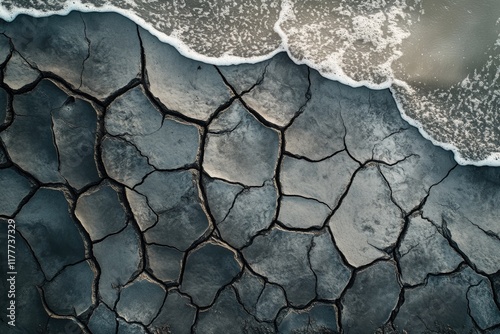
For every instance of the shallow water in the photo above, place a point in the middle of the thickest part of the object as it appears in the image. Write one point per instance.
(441, 59)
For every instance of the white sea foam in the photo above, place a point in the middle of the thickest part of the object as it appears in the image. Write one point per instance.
(446, 83)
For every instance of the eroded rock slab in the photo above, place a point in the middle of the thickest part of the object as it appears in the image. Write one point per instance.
(424, 251)
(141, 300)
(120, 260)
(220, 196)
(4, 48)
(42, 221)
(100, 211)
(240, 149)
(103, 319)
(318, 132)
(208, 269)
(442, 304)
(244, 77)
(174, 196)
(367, 221)
(29, 140)
(261, 299)
(55, 44)
(372, 297)
(227, 315)
(4, 105)
(76, 282)
(165, 263)
(318, 318)
(302, 213)
(332, 274)
(18, 73)
(283, 257)
(15, 188)
(143, 213)
(189, 87)
(242, 222)
(113, 55)
(177, 315)
(123, 161)
(74, 126)
(324, 181)
(465, 204)
(283, 76)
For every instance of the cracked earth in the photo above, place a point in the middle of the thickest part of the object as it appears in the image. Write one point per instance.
(156, 194)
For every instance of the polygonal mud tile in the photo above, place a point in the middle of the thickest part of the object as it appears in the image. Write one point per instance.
(411, 179)
(4, 48)
(318, 318)
(248, 288)
(243, 77)
(176, 316)
(292, 83)
(270, 302)
(100, 211)
(16, 188)
(465, 204)
(424, 251)
(440, 305)
(174, 145)
(43, 221)
(283, 257)
(103, 320)
(367, 222)
(74, 126)
(208, 268)
(76, 282)
(324, 181)
(57, 326)
(220, 196)
(372, 297)
(119, 258)
(30, 314)
(18, 73)
(192, 88)
(29, 139)
(318, 131)
(243, 221)
(175, 197)
(55, 44)
(302, 213)
(263, 300)
(126, 328)
(114, 55)
(132, 113)
(482, 305)
(164, 263)
(4, 105)
(123, 161)
(332, 275)
(369, 117)
(141, 300)
(240, 149)
(143, 214)
(227, 315)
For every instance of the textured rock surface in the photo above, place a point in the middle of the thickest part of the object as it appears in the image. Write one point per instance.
(372, 297)
(424, 251)
(367, 222)
(208, 269)
(291, 82)
(442, 304)
(178, 82)
(466, 206)
(156, 194)
(237, 141)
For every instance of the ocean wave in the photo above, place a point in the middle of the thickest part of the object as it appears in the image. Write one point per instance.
(440, 59)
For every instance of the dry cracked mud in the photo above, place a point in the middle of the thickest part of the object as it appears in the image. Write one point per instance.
(157, 194)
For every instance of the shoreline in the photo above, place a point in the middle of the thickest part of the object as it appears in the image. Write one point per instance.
(393, 84)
